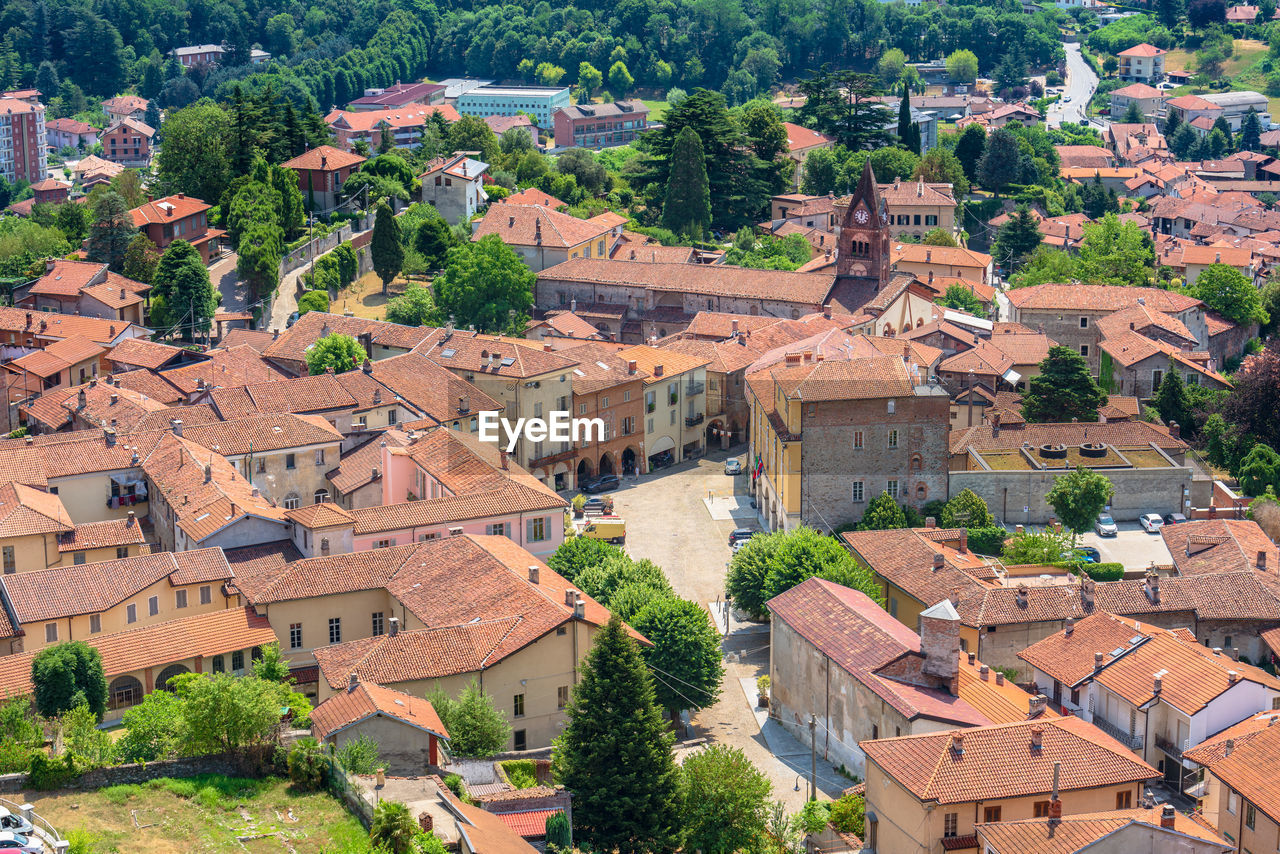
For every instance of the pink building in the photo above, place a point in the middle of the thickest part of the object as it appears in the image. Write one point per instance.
(446, 483)
(23, 138)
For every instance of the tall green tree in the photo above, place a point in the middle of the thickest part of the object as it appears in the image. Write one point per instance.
(1063, 390)
(1113, 252)
(1230, 293)
(385, 248)
(686, 208)
(615, 753)
(963, 298)
(485, 284)
(1133, 115)
(196, 156)
(259, 251)
(67, 675)
(845, 105)
(1018, 237)
(940, 166)
(1000, 163)
(140, 259)
(737, 180)
(962, 66)
(966, 510)
(685, 656)
(1171, 399)
(110, 231)
(774, 563)
(970, 147)
(1077, 498)
(415, 307)
(476, 727)
(432, 240)
(1251, 132)
(726, 801)
(182, 281)
(883, 512)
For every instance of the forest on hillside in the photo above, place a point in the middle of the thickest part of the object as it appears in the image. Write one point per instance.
(329, 51)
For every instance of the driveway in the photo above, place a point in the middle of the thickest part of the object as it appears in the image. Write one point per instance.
(668, 522)
(235, 293)
(1133, 547)
(1080, 85)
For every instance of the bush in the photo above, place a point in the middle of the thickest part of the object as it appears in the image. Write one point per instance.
(308, 766)
(82, 841)
(848, 815)
(359, 755)
(348, 264)
(988, 540)
(393, 827)
(523, 768)
(14, 757)
(454, 783)
(813, 818)
(1104, 571)
(313, 301)
(558, 837)
(48, 773)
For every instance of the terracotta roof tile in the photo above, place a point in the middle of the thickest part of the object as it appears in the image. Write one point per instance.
(263, 433)
(26, 512)
(1249, 769)
(1074, 833)
(158, 211)
(229, 367)
(413, 655)
(715, 279)
(141, 353)
(324, 157)
(531, 225)
(1206, 546)
(326, 514)
(432, 389)
(1098, 297)
(365, 700)
(293, 343)
(357, 467)
(104, 534)
(65, 591)
(492, 355)
(150, 384)
(999, 762)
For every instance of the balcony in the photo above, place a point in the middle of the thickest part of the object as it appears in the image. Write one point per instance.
(694, 387)
(1133, 742)
(694, 420)
(1172, 748)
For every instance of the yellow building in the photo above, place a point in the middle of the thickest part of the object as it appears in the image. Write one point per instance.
(543, 237)
(36, 532)
(138, 661)
(71, 603)
(926, 793)
(1239, 792)
(675, 403)
(407, 618)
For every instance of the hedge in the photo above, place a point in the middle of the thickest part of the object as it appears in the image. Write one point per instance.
(1096, 571)
(988, 541)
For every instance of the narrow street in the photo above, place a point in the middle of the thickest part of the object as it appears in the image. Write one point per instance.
(235, 293)
(668, 522)
(1080, 85)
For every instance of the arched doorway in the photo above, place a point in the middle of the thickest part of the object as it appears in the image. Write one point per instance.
(629, 458)
(584, 471)
(606, 463)
(125, 691)
(162, 681)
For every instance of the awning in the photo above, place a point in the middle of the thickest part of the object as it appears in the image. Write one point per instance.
(1011, 376)
(666, 443)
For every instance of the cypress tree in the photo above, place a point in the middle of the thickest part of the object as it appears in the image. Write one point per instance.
(615, 753)
(385, 247)
(687, 207)
(904, 118)
(1251, 132)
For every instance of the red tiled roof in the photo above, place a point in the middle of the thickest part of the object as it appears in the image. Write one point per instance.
(800, 137)
(324, 157)
(157, 212)
(1143, 49)
(531, 824)
(26, 512)
(1075, 833)
(999, 761)
(710, 279)
(143, 354)
(366, 700)
(104, 534)
(531, 225)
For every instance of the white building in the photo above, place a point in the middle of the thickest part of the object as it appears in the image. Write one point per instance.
(537, 101)
(1236, 105)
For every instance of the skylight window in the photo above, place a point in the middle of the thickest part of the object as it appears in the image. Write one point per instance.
(448, 352)
(508, 362)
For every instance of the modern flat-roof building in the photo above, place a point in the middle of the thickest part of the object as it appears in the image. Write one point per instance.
(538, 101)
(23, 137)
(600, 125)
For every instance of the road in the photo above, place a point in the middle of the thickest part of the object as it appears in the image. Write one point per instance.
(668, 523)
(235, 293)
(286, 301)
(1080, 85)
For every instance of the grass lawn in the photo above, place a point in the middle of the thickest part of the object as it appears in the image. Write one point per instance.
(205, 814)
(657, 109)
(1245, 53)
(364, 297)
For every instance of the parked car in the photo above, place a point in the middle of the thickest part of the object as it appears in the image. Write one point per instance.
(13, 843)
(1105, 526)
(293, 318)
(604, 483)
(598, 505)
(742, 534)
(1174, 518)
(1151, 522)
(732, 466)
(14, 823)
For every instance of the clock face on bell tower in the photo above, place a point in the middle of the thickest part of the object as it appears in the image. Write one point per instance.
(863, 244)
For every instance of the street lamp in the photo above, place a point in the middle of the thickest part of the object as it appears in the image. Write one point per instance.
(798, 776)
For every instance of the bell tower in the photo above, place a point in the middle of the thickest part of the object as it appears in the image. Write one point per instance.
(863, 247)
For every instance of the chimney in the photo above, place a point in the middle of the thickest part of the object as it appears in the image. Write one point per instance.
(353, 681)
(957, 743)
(367, 367)
(573, 305)
(1151, 587)
(503, 461)
(255, 492)
(995, 424)
(579, 608)
(324, 545)
(464, 405)
(940, 643)
(964, 541)
(1086, 594)
(973, 657)
(375, 472)
(999, 677)
(1055, 803)
(826, 311)
(81, 400)
(984, 673)
(109, 436)
(733, 324)
(657, 370)
(1069, 626)
(1262, 560)
(930, 521)
(393, 627)
(1232, 676)
(938, 561)
(275, 333)
(1037, 738)
(1157, 682)
(1036, 705)
(1167, 815)
(1097, 661)
(175, 424)
(533, 573)
(1229, 747)
(115, 398)
(1174, 430)
(1021, 596)
(928, 256)
(547, 348)
(570, 596)
(1234, 652)
(631, 367)
(208, 473)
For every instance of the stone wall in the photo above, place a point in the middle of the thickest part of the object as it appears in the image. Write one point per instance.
(140, 772)
(832, 464)
(1137, 491)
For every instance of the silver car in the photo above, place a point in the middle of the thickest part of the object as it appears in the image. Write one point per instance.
(1105, 526)
(14, 823)
(1151, 522)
